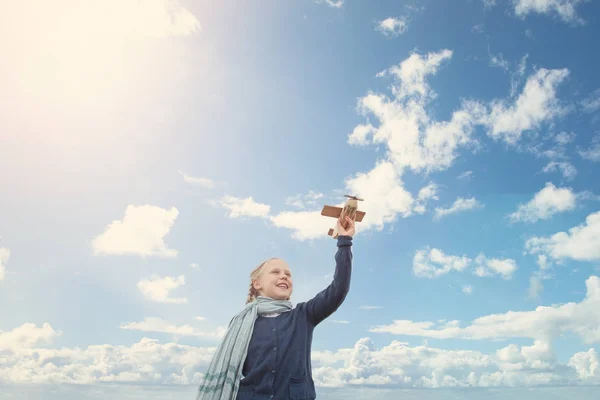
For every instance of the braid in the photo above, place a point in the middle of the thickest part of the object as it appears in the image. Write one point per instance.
(252, 294)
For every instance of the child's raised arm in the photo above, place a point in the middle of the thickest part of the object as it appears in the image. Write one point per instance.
(327, 301)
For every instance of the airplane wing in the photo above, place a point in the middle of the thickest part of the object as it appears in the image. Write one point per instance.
(334, 212)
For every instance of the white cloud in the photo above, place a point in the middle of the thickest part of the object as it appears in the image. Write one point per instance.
(4, 256)
(467, 289)
(246, 207)
(157, 289)
(394, 365)
(415, 141)
(581, 243)
(370, 307)
(499, 61)
(393, 26)
(426, 194)
(410, 78)
(543, 323)
(308, 200)
(547, 202)
(477, 29)
(194, 265)
(592, 102)
(153, 324)
(565, 9)
(304, 224)
(399, 365)
(587, 365)
(26, 336)
(360, 135)
(489, 3)
(384, 194)
(535, 105)
(465, 175)
(433, 263)
(203, 182)
(535, 287)
(141, 232)
(332, 3)
(564, 138)
(566, 168)
(494, 266)
(460, 204)
(146, 361)
(592, 153)
(337, 321)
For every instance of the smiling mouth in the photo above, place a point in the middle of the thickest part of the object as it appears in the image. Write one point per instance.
(283, 286)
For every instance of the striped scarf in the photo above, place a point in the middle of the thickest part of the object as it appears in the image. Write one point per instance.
(222, 379)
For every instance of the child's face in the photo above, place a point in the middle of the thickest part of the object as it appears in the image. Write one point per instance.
(275, 281)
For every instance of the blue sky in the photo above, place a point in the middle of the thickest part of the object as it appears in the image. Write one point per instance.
(155, 152)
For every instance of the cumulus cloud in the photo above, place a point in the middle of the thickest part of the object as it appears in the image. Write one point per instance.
(146, 361)
(27, 336)
(543, 323)
(536, 104)
(303, 224)
(564, 9)
(141, 232)
(157, 289)
(547, 202)
(494, 266)
(153, 324)
(433, 263)
(415, 141)
(4, 256)
(397, 364)
(460, 204)
(400, 365)
(393, 26)
(581, 243)
(567, 169)
(244, 207)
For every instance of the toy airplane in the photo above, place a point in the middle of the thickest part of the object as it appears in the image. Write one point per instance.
(350, 209)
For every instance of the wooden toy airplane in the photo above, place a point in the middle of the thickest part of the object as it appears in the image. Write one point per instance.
(350, 209)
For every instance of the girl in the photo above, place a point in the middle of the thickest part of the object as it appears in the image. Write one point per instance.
(265, 353)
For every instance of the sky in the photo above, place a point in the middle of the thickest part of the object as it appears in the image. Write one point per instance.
(155, 152)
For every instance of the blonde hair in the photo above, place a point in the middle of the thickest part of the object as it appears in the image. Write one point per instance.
(255, 274)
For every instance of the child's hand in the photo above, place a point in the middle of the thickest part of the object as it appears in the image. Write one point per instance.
(345, 227)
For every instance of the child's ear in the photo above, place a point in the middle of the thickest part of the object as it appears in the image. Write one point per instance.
(256, 285)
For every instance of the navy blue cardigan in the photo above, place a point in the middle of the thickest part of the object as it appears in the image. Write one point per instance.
(278, 363)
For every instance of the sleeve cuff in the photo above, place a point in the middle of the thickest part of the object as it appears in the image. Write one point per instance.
(344, 241)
